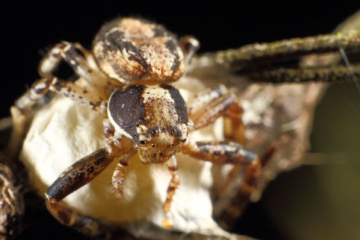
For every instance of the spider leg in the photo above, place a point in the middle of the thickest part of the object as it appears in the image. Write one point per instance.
(119, 173)
(174, 182)
(81, 65)
(19, 114)
(189, 45)
(228, 152)
(214, 103)
(84, 65)
(206, 108)
(76, 176)
(23, 104)
(66, 88)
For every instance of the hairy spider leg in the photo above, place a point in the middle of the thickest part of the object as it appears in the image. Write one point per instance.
(84, 65)
(213, 103)
(174, 182)
(227, 152)
(206, 108)
(118, 176)
(68, 89)
(76, 176)
(23, 104)
(189, 45)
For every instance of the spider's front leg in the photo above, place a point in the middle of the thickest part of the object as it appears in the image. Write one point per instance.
(207, 107)
(174, 183)
(78, 58)
(228, 152)
(66, 88)
(22, 106)
(76, 176)
(84, 65)
(214, 103)
(91, 95)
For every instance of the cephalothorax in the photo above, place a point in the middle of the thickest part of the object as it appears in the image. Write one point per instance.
(154, 117)
(128, 77)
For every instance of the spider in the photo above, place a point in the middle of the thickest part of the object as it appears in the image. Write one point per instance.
(130, 76)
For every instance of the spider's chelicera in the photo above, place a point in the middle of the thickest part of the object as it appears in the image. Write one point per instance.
(129, 75)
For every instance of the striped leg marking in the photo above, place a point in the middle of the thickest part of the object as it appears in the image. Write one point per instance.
(119, 173)
(228, 152)
(174, 182)
(68, 89)
(214, 103)
(68, 52)
(30, 97)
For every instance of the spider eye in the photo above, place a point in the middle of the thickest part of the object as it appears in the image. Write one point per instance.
(142, 142)
(153, 145)
(183, 140)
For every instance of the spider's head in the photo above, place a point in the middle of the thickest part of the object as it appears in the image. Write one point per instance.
(158, 144)
(155, 117)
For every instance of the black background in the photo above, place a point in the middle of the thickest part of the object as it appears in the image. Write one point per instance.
(29, 29)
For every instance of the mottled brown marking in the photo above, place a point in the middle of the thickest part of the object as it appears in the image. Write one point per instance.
(146, 53)
(173, 48)
(179, 104)
(77, 175)
(222, 152)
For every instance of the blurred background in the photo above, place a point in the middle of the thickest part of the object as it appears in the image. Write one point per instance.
(317, 201)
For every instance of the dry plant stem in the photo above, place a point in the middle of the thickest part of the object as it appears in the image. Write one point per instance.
(291, 48)
(320, 74)
(260, 62)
